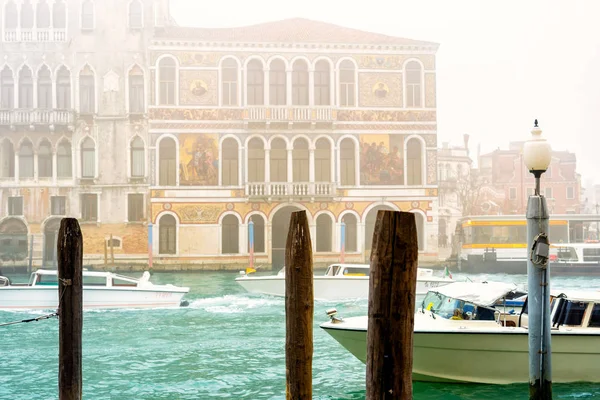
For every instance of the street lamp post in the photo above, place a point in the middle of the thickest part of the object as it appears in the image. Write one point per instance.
(537, 156)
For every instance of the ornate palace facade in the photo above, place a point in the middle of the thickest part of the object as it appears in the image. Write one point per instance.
(249, 124)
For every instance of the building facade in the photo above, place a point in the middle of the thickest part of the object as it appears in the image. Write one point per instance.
(73, 129)
(175, 140)
(249, 124)
(508, 183)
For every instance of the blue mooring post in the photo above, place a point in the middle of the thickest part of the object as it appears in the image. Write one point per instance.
(537, 154)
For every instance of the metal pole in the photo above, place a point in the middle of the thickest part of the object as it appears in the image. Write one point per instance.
(149, 245)
(538, 280)
(251, 245)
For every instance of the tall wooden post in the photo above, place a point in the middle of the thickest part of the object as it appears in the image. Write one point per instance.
(70, 309)
(392, 291)
(112, 251)
(299, 306)
(105, 253)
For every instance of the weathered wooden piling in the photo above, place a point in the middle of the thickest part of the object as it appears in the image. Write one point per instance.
(70, 294)
(392, 291)
(299, 306)
(112, 251)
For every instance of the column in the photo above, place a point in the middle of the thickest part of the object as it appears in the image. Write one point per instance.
(356, 165)
(241, 179)
(54, 171)
(17, 166)
(243, 235)
(267, 165)
(220, 172)
(333, 169)
(311, 171)
(35, 166)
(290, 165)
(266, 88)
(332, 87)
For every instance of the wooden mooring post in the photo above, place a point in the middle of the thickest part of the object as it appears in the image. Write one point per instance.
(392, 291)
(70, 309)
(299, 306)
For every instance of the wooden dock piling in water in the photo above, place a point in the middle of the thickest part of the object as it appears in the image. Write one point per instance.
(70, 295)
(299, 307)
(392, 291)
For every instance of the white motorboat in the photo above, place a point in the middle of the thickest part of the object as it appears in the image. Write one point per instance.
(100, 290)
(460, 336)
(340, 281)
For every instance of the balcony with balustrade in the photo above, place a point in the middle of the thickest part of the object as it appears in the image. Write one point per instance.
(33, 118)
(36, 35)
(290, 114)
(290, 190)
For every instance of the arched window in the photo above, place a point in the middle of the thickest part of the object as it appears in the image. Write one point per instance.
(347, 84)
(256, 160)
(259, 234)
(230, 235)
(350, 241)
(300, 160)
(167, 235)
(136, 91)
(442, 236)
(322, 84)
(323, 161)
(42, 15)
(63, 89)
(277, 83)
(45, 160)
(7, 84)
(230, 162)
(136, 16)
(59, 15)
(413, 84)
(229, 82)
(25, 88)
(167, 174)
(64, 163)
(300, 83)
(278, 161)
(347, 163)
(88, 159)
(87, 91)
(138, 158)
(87, 15)
(413, 162)
(7, 159)
(11, 16)
(420, 222)
(26, 160)
(44, 88)
(27, 15)
(324, 232)
(256, 84)
(167, 76)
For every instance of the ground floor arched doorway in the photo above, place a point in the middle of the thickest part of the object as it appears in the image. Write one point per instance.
(279, 233)
(13, 240)
(50, 234)
(370, 225)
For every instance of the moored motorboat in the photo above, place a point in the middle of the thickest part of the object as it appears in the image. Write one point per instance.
(340, 281)
(100, 290)
(461, 335)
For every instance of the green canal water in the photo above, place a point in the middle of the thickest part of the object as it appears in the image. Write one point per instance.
(225, 344)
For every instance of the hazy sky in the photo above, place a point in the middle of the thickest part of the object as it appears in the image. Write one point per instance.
(500, 64)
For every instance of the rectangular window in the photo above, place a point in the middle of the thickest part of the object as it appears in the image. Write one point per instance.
(136, 94)
(570, 193)
(549, 193)
(89, 207)
(135, 207)
(15, 206)
(512, 195)
(63, 93)
(413, 95)
(8, 95)
(58, 205)
(45, 95)
(230, 172)
(87, 94)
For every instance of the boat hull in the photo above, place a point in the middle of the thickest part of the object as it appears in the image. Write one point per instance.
(477, 266)
(491, 357)
(46, 297)
(329, 288)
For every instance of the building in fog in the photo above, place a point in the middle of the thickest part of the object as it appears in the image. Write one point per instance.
(458, 189)
(249, 124)
(508, 183)
(73, 129)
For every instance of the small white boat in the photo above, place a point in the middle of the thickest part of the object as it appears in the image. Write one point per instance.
(462, 336)
(340, 281)
(100, 290)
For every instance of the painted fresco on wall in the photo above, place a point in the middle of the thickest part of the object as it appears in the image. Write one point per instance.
(380, 90)
(198, 87)
(381, 160)
(198, 159)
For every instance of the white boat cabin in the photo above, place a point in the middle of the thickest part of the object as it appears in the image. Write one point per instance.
(43, 277)
(348, 270)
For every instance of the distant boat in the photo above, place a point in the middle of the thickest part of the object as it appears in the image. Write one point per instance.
(100, 290)
(462, 335)
(340, 281)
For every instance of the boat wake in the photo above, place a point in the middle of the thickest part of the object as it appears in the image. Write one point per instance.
(234, 304)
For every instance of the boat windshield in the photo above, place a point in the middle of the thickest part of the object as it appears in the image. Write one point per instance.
(451, 308)
(356, 271)
(41, 279)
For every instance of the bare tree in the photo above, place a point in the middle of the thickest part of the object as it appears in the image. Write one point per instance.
(468, 190)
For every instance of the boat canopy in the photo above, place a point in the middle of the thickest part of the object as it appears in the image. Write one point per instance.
(484, 294)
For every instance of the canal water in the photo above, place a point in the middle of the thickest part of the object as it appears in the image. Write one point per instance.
(225, 344)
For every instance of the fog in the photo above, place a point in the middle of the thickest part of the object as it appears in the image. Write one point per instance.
(500, 64)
